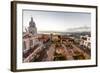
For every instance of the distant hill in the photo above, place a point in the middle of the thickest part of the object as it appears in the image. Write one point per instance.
(65, 33)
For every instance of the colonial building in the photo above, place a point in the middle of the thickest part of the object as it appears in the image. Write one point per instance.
(85, 41)
(30, 40)
(29, 37)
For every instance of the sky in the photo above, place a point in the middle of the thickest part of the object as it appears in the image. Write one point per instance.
(57, 21)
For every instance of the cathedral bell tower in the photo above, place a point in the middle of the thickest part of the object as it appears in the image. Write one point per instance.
(32, 27)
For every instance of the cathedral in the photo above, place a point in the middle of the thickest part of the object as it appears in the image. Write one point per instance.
(32, 27)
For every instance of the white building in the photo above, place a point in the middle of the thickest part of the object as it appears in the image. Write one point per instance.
(30, 36)
(30, 40)
(85, 41)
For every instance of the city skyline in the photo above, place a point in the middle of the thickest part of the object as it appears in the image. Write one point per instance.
(58, 21)
(58, 46)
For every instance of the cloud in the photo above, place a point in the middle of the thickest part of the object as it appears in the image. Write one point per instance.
(80, 29)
